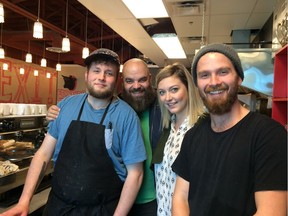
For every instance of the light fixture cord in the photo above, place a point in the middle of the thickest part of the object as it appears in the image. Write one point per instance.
(44, 50)
(203, 21)
(122, 51)
(101, 34)
(38, 10)
(1, 34)
(66, 17)
(86, 26)
(113, 41)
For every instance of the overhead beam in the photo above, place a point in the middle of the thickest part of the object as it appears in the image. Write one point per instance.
(48, 25)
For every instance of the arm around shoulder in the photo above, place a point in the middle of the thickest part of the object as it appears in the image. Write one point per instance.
(52, 113)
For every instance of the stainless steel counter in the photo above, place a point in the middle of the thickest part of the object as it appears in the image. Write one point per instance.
(11, 187)
(38, 201)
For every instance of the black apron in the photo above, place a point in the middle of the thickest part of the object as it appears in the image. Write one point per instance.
(84, 181)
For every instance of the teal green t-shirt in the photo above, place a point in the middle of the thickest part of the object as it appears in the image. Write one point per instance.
(147, 191)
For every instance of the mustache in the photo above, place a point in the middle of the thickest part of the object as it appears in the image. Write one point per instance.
(218, 87)
(138, 90)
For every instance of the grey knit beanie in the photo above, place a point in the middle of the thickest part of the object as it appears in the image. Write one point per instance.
(226, 50)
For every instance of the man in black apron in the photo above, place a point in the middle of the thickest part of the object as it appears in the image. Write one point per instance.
(96, 189)
(85, 181)
(138, 92)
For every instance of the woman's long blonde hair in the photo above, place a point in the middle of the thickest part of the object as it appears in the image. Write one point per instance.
(195, 104)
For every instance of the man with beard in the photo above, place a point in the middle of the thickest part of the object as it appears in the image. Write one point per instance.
(232, 162)
(98, 161)
(139, 94)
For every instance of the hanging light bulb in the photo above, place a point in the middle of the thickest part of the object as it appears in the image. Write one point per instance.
(28, 58)
(85, 51)
(43, 62)
(66, 41)
(66, 44)
(1, 13)
(5, 66)
(35, 72)
(38, 30)
(2, 52)
(38, 27)
(48, 75)
(22, 71)
(58, 67)
(121, 65)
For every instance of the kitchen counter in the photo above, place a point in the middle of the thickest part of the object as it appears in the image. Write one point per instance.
(11, 187)
(38, 201)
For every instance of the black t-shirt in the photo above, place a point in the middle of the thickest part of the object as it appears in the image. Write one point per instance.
(225, 169)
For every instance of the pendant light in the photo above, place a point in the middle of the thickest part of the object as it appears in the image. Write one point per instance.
(48, 75)
(22, 70)
(28, 57)
(66, 41)
(1, 13)
(36, 72)
(38, 27)
(58, 65)
(43, 60)
(2, 52)
(85, 51)
(121, 65)
(5, 66)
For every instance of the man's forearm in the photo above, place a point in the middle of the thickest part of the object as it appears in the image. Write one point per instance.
(129, 192)
(180, 207)
(35, 174)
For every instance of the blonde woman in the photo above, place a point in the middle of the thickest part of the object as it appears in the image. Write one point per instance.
(180, 106)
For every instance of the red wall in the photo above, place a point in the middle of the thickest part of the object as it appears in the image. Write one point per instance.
(27, 88)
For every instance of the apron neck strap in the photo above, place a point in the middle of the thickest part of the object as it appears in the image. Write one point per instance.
(81, 109)
(105, 112)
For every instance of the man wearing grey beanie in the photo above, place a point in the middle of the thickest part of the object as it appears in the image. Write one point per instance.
(233, 161)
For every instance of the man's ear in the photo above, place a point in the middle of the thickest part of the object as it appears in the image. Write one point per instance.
(239, 81)
(86, 75)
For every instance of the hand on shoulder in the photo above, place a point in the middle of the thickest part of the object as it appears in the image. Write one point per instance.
(52, 113)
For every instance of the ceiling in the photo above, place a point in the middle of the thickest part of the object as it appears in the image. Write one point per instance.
(111, 25)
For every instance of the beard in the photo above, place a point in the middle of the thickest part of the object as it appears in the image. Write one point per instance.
(100, 95)
(139, 104)
(220, 106)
